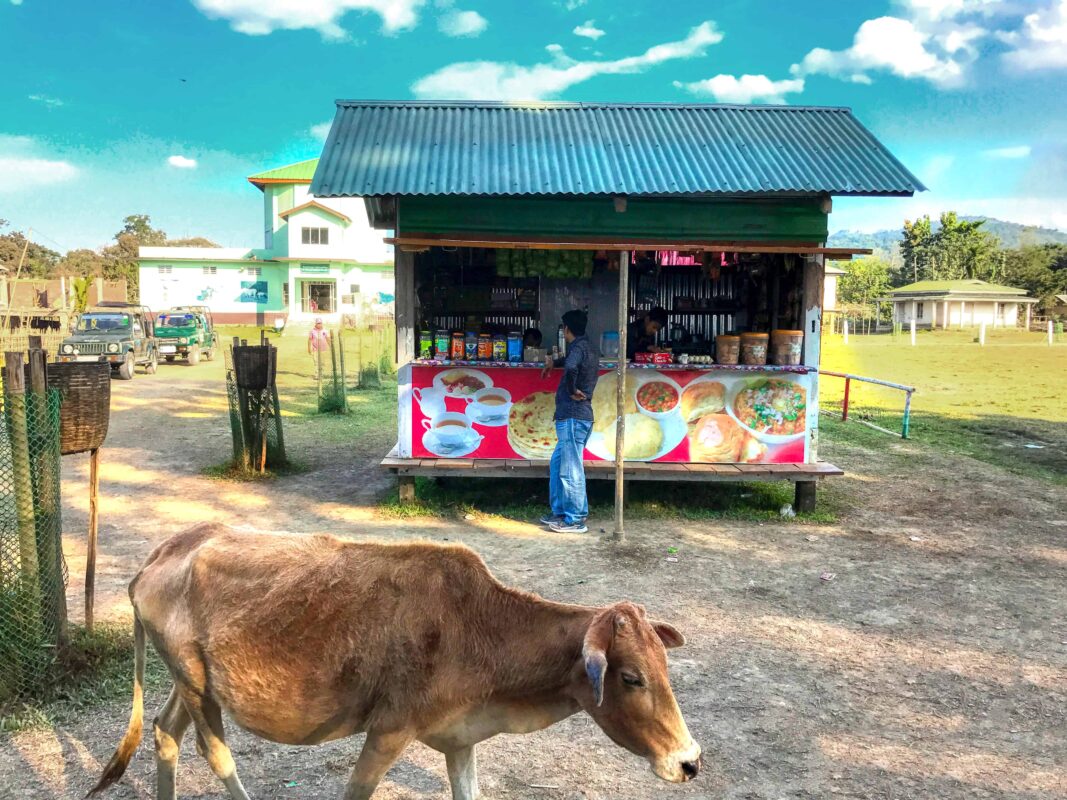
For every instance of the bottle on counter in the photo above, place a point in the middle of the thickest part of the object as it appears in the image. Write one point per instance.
(457, 346)
(485, 347)
(561, 342)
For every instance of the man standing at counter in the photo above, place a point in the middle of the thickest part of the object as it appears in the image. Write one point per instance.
(574, 422)
(641, 335)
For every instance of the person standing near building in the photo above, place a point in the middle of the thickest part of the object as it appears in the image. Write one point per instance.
(318, 342)
(574, 422)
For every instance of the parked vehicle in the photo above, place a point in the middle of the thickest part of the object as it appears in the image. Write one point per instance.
(187, 331)
(122, 334)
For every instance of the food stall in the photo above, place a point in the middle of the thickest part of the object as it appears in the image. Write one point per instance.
(506, 216)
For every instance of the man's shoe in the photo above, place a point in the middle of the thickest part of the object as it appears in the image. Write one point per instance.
(563, 527)
(550, 519)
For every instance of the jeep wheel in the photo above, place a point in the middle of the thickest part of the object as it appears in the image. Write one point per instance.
(125, 370)
(168, 358)
(194, 355)
(153, 363)
(209, 354)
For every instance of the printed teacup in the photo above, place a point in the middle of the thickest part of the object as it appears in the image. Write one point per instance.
(450, 428)
(489, 403)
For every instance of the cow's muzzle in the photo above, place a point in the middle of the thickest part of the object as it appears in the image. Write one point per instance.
(680, 766)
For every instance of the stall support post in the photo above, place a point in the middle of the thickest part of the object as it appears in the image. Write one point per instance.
(405, 306)
(1028, 310)
(620, 396)
(844, 402)
(406, 485)
(804, 497)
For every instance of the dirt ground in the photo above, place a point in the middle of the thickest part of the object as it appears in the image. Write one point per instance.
(933, 665)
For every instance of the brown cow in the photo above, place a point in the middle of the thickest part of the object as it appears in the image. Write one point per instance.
(304, 639)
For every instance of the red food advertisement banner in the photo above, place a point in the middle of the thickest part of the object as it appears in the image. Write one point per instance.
(672, 415)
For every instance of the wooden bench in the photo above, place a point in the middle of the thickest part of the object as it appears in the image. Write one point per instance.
(804, 476)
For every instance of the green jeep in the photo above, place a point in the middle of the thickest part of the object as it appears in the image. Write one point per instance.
(187, 331)
(121, 334)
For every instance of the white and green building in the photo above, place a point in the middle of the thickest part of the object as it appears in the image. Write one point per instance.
(320, 258)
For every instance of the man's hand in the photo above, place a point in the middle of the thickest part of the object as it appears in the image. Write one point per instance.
(545, 369)
(579, 395)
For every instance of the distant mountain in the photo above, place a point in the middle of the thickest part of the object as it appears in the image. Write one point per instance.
(1011, 234)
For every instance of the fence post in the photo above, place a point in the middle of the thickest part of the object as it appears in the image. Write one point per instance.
(913, 333)
(1050, 333)
(981, 335)
(906, 426)
(844, 403)
(845, 329)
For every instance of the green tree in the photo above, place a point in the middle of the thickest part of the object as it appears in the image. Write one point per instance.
(1040, 269)
(39, 261)
(82, 262)
(915, 250)
(140, 227)
(192, 241)
(954, 249)
(865, 279)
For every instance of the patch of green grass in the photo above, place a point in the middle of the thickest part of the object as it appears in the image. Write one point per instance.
(95, 669)
(1001, 404)
(526, 500)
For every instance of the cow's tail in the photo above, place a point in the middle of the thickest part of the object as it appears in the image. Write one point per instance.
(128, 746)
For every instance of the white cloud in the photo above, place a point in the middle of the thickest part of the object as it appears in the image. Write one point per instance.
(1019, 151)
(181, 162)
(321, 130)
(462, 23)
(495, 80)
(873, 214)
(260, 17)
(22, 173)
(574, 5)
(51, 102)
(16, 2)
(746, 89)
(589, 30)
(1041, 43)
(891, 44)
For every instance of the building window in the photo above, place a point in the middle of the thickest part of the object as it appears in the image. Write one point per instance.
(165, 269)
(210, 270)
(315, 235)
(918, 310)
(285, 295)
(353, 288)
(257, 271)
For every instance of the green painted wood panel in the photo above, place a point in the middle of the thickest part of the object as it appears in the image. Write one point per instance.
(762, 219)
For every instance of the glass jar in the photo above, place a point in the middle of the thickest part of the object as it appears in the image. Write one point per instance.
(441, 340)
(514, 347)
(425, 344)
(485, 347)
(500, 348)
(457, 346)
(470, 346)
(609, 344)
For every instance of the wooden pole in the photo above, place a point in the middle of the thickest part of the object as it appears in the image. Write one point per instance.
(90, 550)
(341, 360)
(620, 397)
(18, 272)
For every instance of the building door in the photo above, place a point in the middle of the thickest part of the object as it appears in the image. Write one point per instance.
(318, 297)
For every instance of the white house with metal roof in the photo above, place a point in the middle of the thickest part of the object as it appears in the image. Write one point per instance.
(320, 258)
(959, 303)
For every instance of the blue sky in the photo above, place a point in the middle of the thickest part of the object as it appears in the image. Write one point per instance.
(111, 108)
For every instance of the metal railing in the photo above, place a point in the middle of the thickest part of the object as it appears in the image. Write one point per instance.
(905, 426)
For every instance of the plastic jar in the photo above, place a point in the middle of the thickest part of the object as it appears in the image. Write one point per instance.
(609, 344)
(485, 347)
(727, 348)
(425, 344)
(786, 347)
(470, 346)
(440, 344)
(515, 347)
(754, 348)
(457, 346)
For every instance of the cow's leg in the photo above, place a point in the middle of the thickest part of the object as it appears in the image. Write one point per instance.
(210, 742)
(380, 751)
(463, 773)
(170, 726)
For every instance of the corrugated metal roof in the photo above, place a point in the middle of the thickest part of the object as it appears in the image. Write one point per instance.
(968, 285)
(426, 148)
(300, 172)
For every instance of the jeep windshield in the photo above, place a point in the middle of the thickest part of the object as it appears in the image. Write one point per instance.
(176, 320)
(103, 322)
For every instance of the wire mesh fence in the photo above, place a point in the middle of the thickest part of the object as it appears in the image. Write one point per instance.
(33, 574)
(878, 404)
(354, 359)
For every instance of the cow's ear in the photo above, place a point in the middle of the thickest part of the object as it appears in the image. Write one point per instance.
(596, 664)
(595, 649)
(668, 634)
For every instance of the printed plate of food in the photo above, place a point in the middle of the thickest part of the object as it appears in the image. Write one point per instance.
(774, 410)
(531, 429)
(654, 425)
(462, 382)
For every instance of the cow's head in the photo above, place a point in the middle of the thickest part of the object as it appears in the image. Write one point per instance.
(626, 690)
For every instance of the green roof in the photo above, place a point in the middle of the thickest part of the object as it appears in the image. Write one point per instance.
(970, 286)
(300, 172)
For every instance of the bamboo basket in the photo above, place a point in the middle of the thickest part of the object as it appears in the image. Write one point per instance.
(86, 407)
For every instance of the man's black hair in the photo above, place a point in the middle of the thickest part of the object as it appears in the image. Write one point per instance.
(576, 321)
(658, 314)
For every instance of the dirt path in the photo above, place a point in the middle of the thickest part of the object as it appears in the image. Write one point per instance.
(933, 665)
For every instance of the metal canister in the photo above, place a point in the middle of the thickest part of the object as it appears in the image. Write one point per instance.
(485, 347)
(500, 348)
(457, 346)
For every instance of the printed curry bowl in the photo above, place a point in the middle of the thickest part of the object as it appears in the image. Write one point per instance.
(658, 396)
(490, 406)
(774, 410)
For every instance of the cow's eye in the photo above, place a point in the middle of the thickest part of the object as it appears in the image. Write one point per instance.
(632, 679)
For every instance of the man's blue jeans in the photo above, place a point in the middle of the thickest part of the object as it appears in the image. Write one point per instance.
(566, 474)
